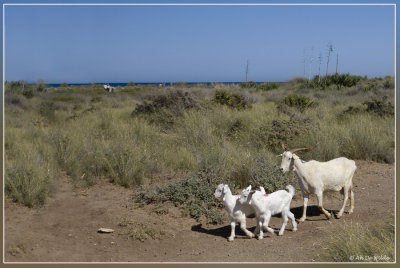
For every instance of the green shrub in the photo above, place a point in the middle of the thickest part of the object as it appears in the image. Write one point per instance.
(301, 103)
(341, 80)
(15, 86)
(12, 99)
(194, 194)
(370, 85)
(285, 131)
(351, 110)
(40, 88)
(389, 82)
(165, 109)
(265, 173)
(28, 93)
(338, 80)
(380, 107)
(268, 86)
(250, 84)
(231, 100)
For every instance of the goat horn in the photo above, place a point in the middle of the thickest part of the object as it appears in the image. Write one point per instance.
(301, 149)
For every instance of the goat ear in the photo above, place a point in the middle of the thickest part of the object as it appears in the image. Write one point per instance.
(248, 188)
(225, 189)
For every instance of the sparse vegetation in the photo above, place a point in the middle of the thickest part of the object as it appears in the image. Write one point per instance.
(352, 242)
(141, 231)
(202, 135)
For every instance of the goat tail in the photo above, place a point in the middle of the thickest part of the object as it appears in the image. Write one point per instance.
(291, 190)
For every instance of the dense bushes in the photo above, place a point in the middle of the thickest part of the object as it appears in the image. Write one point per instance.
(14, 100)
(174, 100)
(198, 137)
(193, 194)
(338, 80)
(342, 80)
(263, 87)
(299, 102)
(268, 86)
(232, 100)
(378, 107)
(250, 84)
(285, 131)
(165, 108)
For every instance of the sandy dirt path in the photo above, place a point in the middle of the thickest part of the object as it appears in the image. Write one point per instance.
(65, 229)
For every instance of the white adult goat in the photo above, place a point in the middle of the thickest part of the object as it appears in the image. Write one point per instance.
(267, 205)
(109, 88)
(237, 212)
(316, 177)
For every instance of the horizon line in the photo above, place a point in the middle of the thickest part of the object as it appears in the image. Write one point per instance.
(189, 82)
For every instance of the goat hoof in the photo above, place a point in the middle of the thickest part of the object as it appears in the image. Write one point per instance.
(280, 234)
(294, 230)
(260, 237)
(300, 221)
(230, 239)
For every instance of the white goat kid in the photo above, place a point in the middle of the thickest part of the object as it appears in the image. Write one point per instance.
(316, 177)
(267, 205)
(237, 212)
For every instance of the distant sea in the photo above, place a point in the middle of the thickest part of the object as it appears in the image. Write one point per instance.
(155, 83)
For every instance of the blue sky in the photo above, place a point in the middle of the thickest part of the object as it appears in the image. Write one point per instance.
(84, 44)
